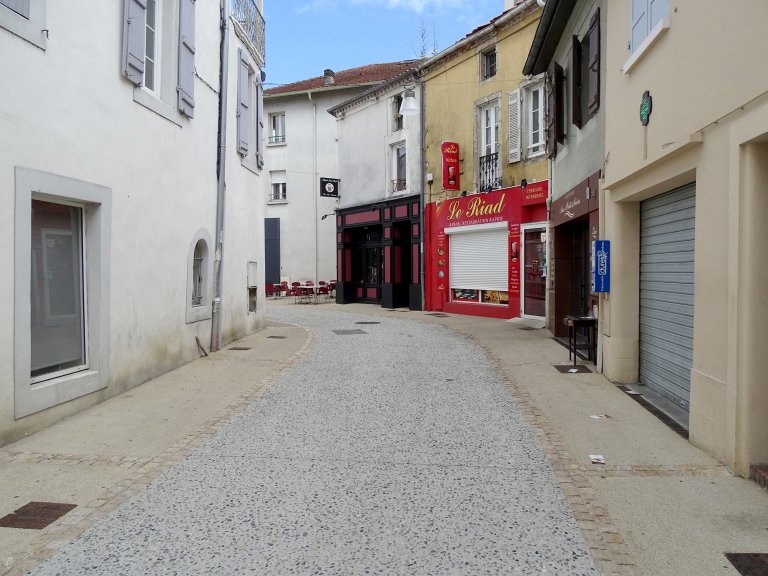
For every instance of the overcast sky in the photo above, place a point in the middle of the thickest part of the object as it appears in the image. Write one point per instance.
(304, 37)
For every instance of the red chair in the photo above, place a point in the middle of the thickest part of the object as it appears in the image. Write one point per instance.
(295, 292)
(269, 289)
(284, 287)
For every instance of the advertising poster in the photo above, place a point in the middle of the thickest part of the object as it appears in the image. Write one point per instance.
(514, 256)
(451, 177)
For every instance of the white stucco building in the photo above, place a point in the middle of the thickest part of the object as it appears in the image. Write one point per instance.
(109, 134)
(302, 147)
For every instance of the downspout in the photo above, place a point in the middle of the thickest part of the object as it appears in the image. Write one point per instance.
(221, 187)
(422, 204)
(314, 176)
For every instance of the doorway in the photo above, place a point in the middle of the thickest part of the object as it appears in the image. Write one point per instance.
(401, 278)
(367, 259)
(533, 270)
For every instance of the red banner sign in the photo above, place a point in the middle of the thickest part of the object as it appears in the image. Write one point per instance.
(450, 153)
(535, 193)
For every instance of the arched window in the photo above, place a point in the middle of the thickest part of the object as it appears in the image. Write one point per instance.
(199, 277)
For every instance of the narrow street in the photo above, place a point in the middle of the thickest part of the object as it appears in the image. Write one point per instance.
(391, 447)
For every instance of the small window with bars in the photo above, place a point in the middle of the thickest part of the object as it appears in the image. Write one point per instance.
(197, 273)
(278, 192)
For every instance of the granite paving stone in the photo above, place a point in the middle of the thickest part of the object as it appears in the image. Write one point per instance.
(399, 451)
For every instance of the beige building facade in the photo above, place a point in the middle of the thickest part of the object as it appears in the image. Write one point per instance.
(684, 203)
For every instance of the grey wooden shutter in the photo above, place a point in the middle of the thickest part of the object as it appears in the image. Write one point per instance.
(594, 63)
(243, 103)
(514, 126)
(639, 22)
(134, 31)
(260, 124)
(576, 82)
(186, 82)
(21, 7)
(559, 101)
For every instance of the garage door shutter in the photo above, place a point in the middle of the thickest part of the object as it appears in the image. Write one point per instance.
(479, 260)
(667, 227)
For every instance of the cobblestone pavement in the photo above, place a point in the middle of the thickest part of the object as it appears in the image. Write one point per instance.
(392, 447)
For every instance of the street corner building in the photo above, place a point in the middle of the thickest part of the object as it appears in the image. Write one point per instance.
(131, 244)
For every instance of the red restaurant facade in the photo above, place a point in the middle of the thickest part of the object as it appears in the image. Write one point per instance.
(485, 254)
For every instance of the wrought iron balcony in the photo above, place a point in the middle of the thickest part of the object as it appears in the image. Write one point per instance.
(399, 185)
(247, 14)
(490, 179)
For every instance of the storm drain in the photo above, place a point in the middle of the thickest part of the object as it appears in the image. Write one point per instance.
(437, 314)
(239, 348)
(367, 322)
(749, 564)
(661, 415)
(571, 369)
(36, 515)
(277, 337)
(349, 332)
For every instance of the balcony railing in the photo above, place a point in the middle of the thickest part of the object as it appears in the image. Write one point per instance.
(399, 185)
(247, 14)
(277, 139)
(490, 178)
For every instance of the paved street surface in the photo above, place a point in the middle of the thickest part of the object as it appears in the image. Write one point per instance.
(426, 445)
(392, 449)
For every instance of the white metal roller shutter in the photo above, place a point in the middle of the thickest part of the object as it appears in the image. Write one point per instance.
(479, 260)
(667, 234)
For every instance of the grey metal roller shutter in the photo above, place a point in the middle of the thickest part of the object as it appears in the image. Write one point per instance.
(667, 232)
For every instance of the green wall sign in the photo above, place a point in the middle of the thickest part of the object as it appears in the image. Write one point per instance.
(646, 107)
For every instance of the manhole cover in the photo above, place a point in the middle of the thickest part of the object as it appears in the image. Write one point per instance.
(367, 322)
(438, 314)
(238, 348)
(277, 337)
(749, 564)
(349, 332)
(36, 515)
(571, 369)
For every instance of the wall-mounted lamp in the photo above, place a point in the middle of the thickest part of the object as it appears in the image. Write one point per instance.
(324, 216)
(409, 107)
(523, 183)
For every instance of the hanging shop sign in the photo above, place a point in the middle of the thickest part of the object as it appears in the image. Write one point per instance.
(601, 266)
(329, 187)
(451, 176)
(535, 193)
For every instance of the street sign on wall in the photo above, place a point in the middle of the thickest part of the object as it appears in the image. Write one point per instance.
(601, 266)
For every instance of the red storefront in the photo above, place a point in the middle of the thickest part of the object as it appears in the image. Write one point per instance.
(486, 253)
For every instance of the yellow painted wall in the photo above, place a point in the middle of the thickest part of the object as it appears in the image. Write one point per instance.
(451, 90)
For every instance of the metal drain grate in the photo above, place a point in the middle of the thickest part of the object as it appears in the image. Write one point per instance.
(239, 348)
(749, 564)
(349, 332)
(571, 369)
(437, 314)
(666, 419)
(36, 515)
(367, 322)
(277, 337)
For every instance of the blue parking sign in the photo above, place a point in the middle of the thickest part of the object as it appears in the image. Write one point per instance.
(601, 266)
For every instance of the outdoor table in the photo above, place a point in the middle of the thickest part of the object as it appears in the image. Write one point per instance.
(574, 321)
(310, 298)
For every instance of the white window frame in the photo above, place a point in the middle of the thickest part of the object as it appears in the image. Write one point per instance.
(530, 145)
(256, 116)
(395, 167)
(495, 128)
(654, 29)
(398, 120)
(484, 64)
(157, 61)
(278, 180)
(276, 131)
(30, 29)
(31, 396)
(202, 311)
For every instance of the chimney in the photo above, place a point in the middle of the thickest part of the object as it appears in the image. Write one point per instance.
(329, 77)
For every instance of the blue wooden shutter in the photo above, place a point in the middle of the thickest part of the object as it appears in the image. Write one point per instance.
(639, 22)
(260, 124)
(243, 103)
(21, 7)
(134, 31)
(657, 10)
(186, 85)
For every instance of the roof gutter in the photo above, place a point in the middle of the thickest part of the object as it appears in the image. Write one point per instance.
(553, 21)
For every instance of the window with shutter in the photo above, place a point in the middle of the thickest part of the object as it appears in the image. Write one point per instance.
(551, 120)
(559, 80)
(594, 63)
(645, 15)
(514, 126)
(134, 35)
(186, 77)
(260, 125)
(243, 104)
(25, 19)
(576, 82)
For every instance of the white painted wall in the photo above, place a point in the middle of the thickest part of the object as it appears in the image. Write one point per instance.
(67, 110)
(366, 138)
(306, 241)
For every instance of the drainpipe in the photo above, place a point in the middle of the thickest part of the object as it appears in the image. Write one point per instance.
(221, 187)
(314, 176)
(423, 192)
